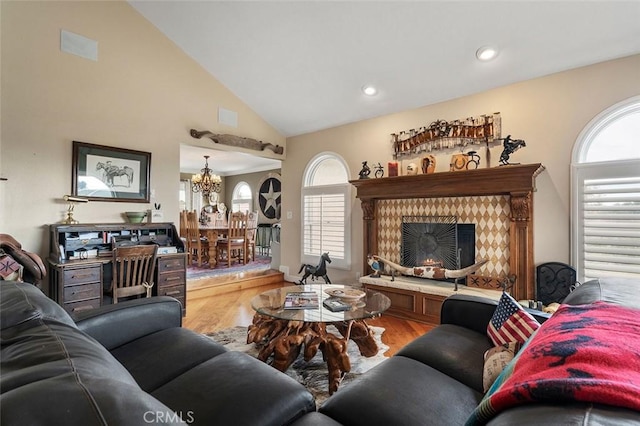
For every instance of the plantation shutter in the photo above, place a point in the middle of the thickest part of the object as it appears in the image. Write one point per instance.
(610, 216)
(324, 224)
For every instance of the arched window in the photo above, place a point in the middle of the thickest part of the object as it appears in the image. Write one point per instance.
(326, 194)
(242, 200)
(605, 205)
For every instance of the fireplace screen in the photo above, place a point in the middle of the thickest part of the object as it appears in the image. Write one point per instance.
(437, 241)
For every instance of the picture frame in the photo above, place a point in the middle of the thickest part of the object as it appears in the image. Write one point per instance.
(104, 173)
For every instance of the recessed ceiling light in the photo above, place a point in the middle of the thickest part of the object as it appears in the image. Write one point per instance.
(486, 53)
(369, 90)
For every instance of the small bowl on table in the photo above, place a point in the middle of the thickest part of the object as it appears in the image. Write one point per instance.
(135, 217)
(347, 294)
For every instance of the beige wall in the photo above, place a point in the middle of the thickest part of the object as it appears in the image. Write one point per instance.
(548, 113)
(143, 93)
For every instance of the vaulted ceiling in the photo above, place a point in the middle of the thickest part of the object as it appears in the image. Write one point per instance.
(301, 65)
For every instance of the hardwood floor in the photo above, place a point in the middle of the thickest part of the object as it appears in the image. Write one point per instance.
(216, 305)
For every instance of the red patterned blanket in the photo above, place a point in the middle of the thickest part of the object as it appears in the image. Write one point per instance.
(588, 353)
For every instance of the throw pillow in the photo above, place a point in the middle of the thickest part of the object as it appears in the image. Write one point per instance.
(495, 360)
(10, 270)
(510, 322)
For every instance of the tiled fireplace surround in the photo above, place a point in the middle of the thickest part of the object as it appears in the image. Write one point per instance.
(499, 201)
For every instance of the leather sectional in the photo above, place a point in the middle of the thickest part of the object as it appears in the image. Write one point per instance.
(129, 364)
(132, 364)
(437, 378)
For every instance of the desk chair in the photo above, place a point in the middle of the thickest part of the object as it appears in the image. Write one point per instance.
(198, 246)
(133, 268)
(232, 247)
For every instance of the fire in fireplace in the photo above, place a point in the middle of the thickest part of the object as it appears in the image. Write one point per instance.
(437, 241)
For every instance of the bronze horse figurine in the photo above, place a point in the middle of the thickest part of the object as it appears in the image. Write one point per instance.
(316, 271)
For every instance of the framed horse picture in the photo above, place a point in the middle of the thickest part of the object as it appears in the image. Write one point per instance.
(103, 173)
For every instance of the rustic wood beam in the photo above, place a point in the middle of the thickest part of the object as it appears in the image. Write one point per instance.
(237, 141)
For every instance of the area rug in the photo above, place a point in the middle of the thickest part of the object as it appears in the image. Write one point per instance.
(312, 374)
(261, 263)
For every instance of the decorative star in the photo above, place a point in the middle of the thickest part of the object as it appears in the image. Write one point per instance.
(270, 197)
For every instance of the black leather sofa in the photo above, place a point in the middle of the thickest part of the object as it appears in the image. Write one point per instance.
(132, 364)
(129, 364)
(437, 378)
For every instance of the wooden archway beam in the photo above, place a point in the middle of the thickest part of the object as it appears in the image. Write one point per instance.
(237, 141)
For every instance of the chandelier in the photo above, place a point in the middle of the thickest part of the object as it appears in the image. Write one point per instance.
(206, 182)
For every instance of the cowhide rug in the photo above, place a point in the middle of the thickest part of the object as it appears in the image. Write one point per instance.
(312, 374)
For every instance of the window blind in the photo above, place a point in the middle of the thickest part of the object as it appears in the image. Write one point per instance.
(611, 227)
(324, 225)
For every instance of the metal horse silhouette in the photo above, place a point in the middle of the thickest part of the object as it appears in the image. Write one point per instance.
(111, 171)
(316, 271)
(510, 146)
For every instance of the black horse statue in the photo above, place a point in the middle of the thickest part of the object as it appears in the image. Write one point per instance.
(510, 146)
(316, 271)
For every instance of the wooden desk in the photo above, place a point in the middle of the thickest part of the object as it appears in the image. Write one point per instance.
(77, 283)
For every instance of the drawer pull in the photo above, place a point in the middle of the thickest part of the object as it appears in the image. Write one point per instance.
(80, 276)
(82, 308)
(171, 293)
(173, 279)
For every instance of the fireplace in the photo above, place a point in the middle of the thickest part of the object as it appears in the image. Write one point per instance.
(437, 241)
(498, 200)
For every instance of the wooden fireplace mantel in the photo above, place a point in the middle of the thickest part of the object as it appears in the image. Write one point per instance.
(516, 181)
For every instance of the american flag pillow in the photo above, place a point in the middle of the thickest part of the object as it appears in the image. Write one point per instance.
(510, 323)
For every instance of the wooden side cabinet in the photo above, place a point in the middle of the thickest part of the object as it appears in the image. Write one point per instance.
(410, 304)
(171, 277)
(77, 287)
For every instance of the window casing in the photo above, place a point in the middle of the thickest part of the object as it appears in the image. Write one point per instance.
(242, 199)
(605, 231)
(326, 197)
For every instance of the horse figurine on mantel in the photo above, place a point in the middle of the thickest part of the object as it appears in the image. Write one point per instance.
(316, 271)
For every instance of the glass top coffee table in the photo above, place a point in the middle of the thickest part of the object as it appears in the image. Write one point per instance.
(282, 332)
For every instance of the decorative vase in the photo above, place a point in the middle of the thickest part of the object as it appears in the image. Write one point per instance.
(429, 164)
